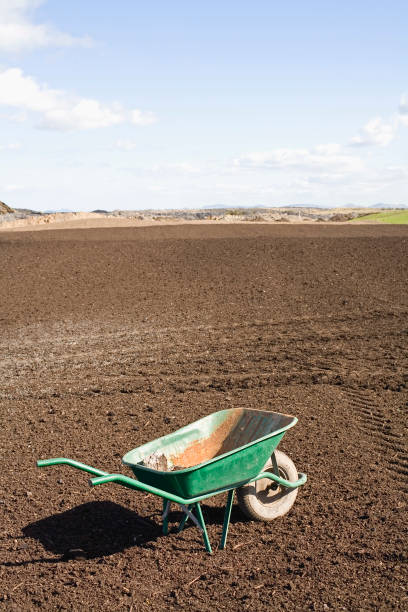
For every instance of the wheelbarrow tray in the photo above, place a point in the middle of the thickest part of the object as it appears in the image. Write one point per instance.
(225, 449)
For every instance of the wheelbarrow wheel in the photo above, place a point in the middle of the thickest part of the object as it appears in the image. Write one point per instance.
(264, 500)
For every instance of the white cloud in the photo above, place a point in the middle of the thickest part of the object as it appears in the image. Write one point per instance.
(382, 133)
(125, 145)
(59, 110)
(11, 188)
(138, 117)
(18, 32)
(12, 146)
(177, 168)
(165, 170)
(19, 117)
(323, 158)
(375, 132)
(403, 110)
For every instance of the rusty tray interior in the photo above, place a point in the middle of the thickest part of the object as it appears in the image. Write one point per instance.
(217, 434)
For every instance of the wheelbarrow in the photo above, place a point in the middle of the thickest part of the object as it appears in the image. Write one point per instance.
(227, 451)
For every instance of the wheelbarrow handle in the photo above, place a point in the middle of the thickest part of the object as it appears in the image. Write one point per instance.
(76, 464)
(103, 478)
(285, 483)
(120, 478)
(131, 483)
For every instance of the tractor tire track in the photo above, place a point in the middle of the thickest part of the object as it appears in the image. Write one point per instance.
(377, 428)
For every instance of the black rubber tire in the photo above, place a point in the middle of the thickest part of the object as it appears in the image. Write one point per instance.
(263, 500)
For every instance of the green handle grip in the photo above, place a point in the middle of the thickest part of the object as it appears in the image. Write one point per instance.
(72, 463)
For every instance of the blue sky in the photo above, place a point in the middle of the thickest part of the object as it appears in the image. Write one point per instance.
(164, 105)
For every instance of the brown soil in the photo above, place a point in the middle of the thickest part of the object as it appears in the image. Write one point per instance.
(113, 337)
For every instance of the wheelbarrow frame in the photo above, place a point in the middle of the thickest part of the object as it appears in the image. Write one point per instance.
(187, 504)
(234, 445)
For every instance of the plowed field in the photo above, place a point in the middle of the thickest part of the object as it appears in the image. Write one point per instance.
(113, 337)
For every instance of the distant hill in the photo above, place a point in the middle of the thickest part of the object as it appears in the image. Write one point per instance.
(27, 211)
(380, 205)
(393, 206)
(5, 209)
(57, 210)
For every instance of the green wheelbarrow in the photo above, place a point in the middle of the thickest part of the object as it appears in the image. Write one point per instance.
(229, 450)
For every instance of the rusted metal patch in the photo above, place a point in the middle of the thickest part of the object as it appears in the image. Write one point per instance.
(240, 428)
(206, 448)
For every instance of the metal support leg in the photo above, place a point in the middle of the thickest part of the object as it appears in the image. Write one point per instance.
(184, 519)
(201, 521)
(227, 517)
(274, 485)
(166, 508)
(275, 464)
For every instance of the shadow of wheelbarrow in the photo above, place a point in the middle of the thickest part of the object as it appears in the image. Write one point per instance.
(92, 530)
(102, 528)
